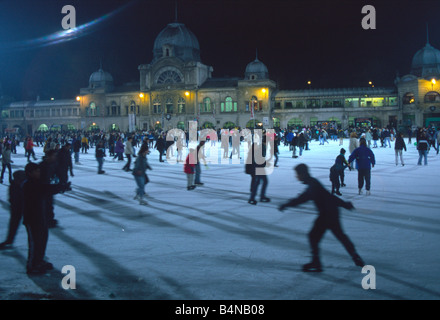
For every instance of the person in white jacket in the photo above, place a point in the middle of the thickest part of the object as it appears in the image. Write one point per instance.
(128, 152)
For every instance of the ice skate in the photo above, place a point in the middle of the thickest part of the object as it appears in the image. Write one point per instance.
(360, 190)
(142, 201)
(314, 266)
(368, 192)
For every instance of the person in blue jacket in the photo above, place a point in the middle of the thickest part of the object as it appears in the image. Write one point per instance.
(364, 162)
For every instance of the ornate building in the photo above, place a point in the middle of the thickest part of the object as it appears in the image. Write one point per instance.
(176, 87)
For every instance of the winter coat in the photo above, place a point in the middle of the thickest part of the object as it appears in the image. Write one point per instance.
(399, 144)
(326, 203)
(364, 157)
(140, 166)
(354, 143)
(6, 156)
(190, 164)
(119, 147)
(128, 148)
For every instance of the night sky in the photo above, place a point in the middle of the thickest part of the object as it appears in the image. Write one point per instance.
(298, 40)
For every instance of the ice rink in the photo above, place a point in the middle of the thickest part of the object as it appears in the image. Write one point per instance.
(210, 244)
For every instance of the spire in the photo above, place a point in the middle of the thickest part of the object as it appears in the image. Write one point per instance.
(256, 54)
(175, 12)
(427, 33)
(100, 64)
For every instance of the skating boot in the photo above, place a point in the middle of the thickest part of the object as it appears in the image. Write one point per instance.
(358, 260)
(314, 266)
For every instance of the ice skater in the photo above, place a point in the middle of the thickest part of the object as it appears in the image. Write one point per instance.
(328, 207)
(364, 162)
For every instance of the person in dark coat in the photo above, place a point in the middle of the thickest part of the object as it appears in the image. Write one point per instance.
(100, 155)
(341, 164)
(256, 162)
(160, 146)
(64, 165)
(76, 149)
(328, 219)
(365, 160)
(16, 207)
(399, 146)
(48, 175)
(422, 147)
(35, 218)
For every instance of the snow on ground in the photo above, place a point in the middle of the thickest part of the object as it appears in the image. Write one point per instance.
(210, 243)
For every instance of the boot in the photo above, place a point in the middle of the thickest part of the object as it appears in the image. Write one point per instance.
(314, 266)
(142, 201)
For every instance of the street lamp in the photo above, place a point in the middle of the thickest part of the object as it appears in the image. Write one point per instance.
(433, 82)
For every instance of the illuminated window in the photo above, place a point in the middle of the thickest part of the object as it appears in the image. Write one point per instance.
(432, 96)
(181, 105)
(408, 98)
(206, 107)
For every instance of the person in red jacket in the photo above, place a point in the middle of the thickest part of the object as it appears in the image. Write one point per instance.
(29, 147)
(189, 168)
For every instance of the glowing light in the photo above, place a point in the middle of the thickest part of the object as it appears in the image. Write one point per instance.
(433, 81)
(187, 93)
(141, 95)
(52, 99)
(263, 90)
(64, 35)
(78, 98)
(309, 82)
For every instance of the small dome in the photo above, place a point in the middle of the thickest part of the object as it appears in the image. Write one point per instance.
(256, 70)
(178, 41)
(426, 62)
(100, 78)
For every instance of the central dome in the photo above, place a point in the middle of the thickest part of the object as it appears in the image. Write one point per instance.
(176, 40)
(426, 62)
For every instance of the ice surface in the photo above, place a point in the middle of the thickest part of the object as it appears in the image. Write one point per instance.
(210, 243)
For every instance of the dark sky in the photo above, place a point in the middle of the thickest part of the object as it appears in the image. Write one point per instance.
(298, 40)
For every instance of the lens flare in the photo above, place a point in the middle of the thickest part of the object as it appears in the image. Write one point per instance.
(65, 35)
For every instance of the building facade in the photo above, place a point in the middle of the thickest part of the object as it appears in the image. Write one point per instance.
(176, 87)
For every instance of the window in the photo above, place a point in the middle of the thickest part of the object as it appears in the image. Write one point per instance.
(288, 105)
(169, 76)
(228, 105)
(432, 96)
(313, 103)
(157, 107)
(92, 110)
(299, 104)
(181, 105)
(206, 107)
(169, 106)
(408, 98)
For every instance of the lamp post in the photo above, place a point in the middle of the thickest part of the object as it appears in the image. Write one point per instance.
(433, 82)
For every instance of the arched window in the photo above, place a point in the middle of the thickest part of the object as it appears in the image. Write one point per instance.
(408, 98)
(43, 127)
(157, 106)
(206, 105)
(228, 105)
(432, 96)
(181, 105)
(169, 106)
(92, 109)
(229, 125)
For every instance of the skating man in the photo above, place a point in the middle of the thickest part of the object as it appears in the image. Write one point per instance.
(328, 207)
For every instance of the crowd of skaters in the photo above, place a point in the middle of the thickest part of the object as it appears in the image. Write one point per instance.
(31, 190)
